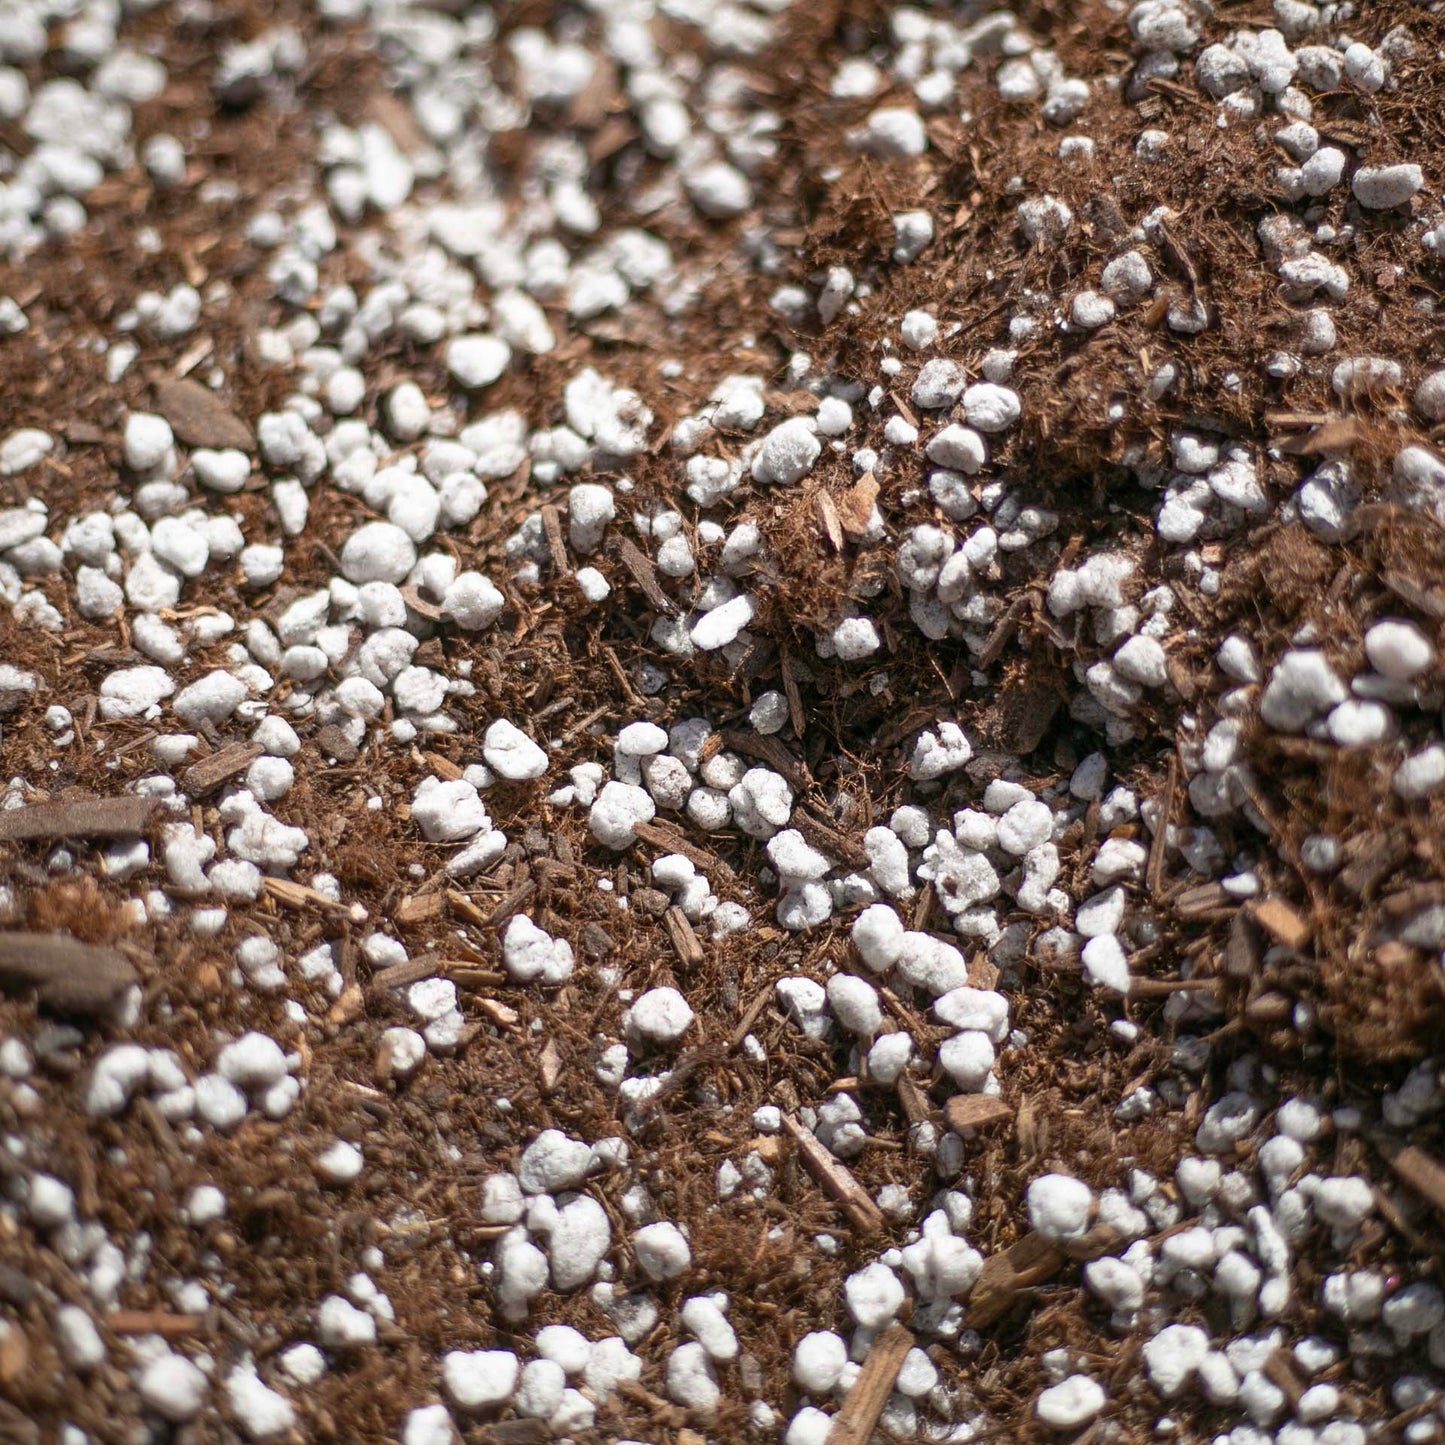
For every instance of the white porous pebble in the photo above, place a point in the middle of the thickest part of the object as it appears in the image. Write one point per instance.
(1070, 1404)
(659, 1018)
(479, 1379)
(661, 1251)
(705, 1318)
(340, 1325)
(552, 1162)
(641, 740)
(874, 1296)
(1091, 310)
(51, 1202)
(448, 812)
(855, 1005)
(722, 624)
(1104, 961)
(878, 936)
(1059, 1206)
(818, 1361)
(691, 1380)
(262, 1412)
(429, 1425)
(511, 754)
(477, 361)
(529, 953)
(1398, 649)
(80, 1342)
(936, 753)
(1301, 687)
(472, 601)
(377, 552)
(540, 1389)
(254, 1061)
(1380, 188)
(788, 452)
(173, 1387)
(618, 808)
(341, 1163)
(1173, 1355)
(148, 441)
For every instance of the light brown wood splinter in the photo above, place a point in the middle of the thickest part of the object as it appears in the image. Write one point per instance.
(836, 1178)
(853, 1424)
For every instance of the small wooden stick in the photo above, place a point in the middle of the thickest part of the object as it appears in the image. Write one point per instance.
(854, 1423)
(202, 777)
(836, 1178)
(552, 526)
(684, 940)
(1422, 1172)
(745, 1024)
(152, 1322)
(1025, 1263)
(86, 818)
(974, 1111)
(1159, 847)
(661, 836)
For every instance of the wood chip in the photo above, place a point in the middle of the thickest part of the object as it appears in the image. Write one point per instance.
(836, 1178)
(444, 768)
(200, 418)
(1024, 711)
(1165, 987)
(504, 909)
(1421, 1171)
(1003, 630)
(1159, 847)
(1025, 1264)
(1283, 922)
(551, 1066)
(399, 975)
(904, 410)
(432, 611)
(504, 1016)
(855, 1421)
(827, 839)
(515, 1432)
(1101, 1239)
(1278, 1370)
(684, 940)
(552, 526)
(66, 974)
(419, 908)
(1339, 434)
(664, 836)
(753, 1013)
(304, 899)
(855, 506)
(395, 117)
(78, 818)
(828, 519)
(1430, 600)
(153, 1322)
(205, 776)
(796, 716)
(975, 1111)
(1242, 953)
(592, 104)
(334, 743)
(1202, 901)
(639, 564)
(771, 751)
(15, 1425)
(911, 1099)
